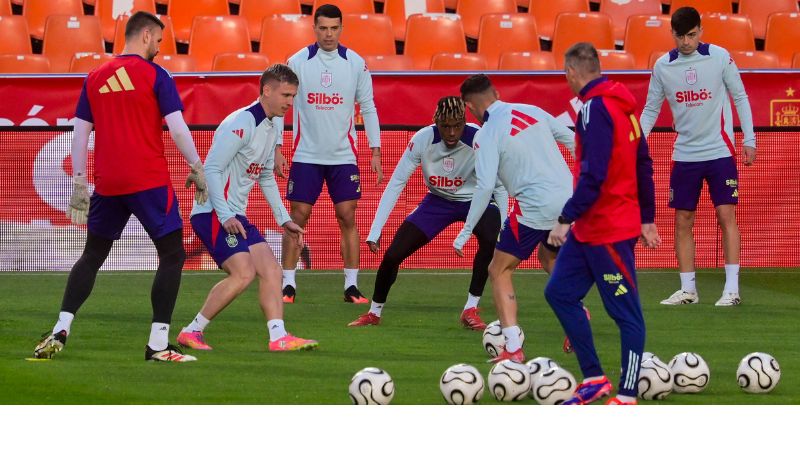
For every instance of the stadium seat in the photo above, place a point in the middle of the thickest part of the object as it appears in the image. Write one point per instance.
(400, 10)
(348, 6)
(109, 10)
(755, 60)
(590, 27)
(759, 10)
(217, 34)
(472, 11)
(616, 60)
(84, 63)
(168, 46)
(545, 12)
(458, 62)
(500, 33)
(24, 63)
(254, 12)
(703, 6)
(36, 12)
(239, 62)
(527, 61)
(389, 63)
(16, 39)
(783, 36)
(5, 7)
(183, 12)
(451, 4)
(646, 34)
(64, 36)
(620, 11)
(368, 34)
(429, 34)
(654, 57)
(732, 32)
(294, 32)
(176, 63)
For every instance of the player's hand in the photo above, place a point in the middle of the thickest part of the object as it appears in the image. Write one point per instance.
(650, 237)
(295, 232)
(78, 209)
(281, 166)
(197, 177)
(375, 164)
(749, 155)
(459, 252)
(233, 226)
(558, 235)
(374, 247)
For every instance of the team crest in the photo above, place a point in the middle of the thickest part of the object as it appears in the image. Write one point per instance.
(691, 76)
(326, 79)
(290, 187)
(232, 241)
(448, 164)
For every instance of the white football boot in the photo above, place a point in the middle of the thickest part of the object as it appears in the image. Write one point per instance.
(681, 297)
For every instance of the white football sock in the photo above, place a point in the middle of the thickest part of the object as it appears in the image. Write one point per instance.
(64, 322)
(687, 282)
(276, 329)
(288, 278)
(198, 324)
(376, 308)
(512, 338)
(626, 399)
(731, 278)
(472, 301)
(350, 278)
(159, 336)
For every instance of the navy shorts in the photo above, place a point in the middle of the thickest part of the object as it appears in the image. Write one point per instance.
(156, 208)
(686, 183)
(221, 244)
(305, 182)
(518, 240)
(435, 213)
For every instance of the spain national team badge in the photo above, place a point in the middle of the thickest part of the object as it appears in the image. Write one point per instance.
(326, 79)
(691, 76)
(448, 164)
(232, 241)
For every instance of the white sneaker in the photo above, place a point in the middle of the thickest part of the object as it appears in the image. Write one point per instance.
(681, 297)
(729, 299)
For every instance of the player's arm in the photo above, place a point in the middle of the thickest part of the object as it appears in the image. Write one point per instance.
(487, 160)
(269, 187)
(561, 133)
(500, 196)
(224, 147)
(281, 164)
(655, 98)
(78, 210)
(364, 98)
(647, 195)
(733, 82)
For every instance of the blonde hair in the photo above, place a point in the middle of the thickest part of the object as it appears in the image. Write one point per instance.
(449, 108)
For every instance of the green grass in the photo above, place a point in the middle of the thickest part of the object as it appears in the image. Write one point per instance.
(419, 338)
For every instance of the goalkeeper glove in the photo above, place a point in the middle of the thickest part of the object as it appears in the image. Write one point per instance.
(79, 202)
(198, 178)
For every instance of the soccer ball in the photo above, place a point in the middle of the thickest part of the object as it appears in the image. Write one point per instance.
(371, 386)
(655, 379)
(690, 373)
(461, 384)
(553, 386)
(648, 355)
(758, 373)
(493, 340)
(509, 381)
(539, 364)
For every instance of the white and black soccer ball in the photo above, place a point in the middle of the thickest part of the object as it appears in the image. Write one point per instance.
(655, 379)
(758, 373)
(509, 381)
(371, 386)
(493, 340)
(690, 373)
(461, 384)
(648, 355)
(553, 386)
(538, 365)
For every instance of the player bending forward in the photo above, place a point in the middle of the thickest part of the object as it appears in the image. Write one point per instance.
(444, 150)
(241, 154)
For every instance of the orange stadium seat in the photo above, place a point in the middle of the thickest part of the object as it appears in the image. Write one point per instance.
(527, 61)
(176, 63)
(704, 6)
(368, 34)
(472, 11)
(183, 12)
(5, 7)
(256, 10)
(84, 63)
(500, 33)
(620, 11)
(759, 10)
(24, 63)
(756, 60)
(459, 61)
(616, 60)
(400, 10)
(64, 36)
(581, 27)
(348, 6)
(16, 38)
(783, 36)
(646, 34)
(239, 62)
(282, 36)
(389, 63)
(167, 47)
(36, 12)
(429, 34)
(545, 12)
(729, 31)
(654, 57)
(451, 4)
(796, 61)
(109, 10)
(217, 34)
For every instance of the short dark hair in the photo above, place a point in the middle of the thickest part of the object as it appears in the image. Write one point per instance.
(475, 84)
(280, 73)
(139, 21)
(583, 58)
(684, 19)
(329, 11)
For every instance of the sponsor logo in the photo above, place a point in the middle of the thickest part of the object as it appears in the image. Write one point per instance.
(326, 79)
(693, 98)
(621, 290)
(732, 182)
(232, 241)
(117, 82)
(448, 164)
(612, 278)
(520, 121)
(323, 101)
(254, 170)
(445, 182)
(691, 76)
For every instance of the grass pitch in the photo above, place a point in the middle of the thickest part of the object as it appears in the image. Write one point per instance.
(419, 338)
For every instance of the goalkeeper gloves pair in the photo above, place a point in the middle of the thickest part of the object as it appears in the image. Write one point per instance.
(197, 177)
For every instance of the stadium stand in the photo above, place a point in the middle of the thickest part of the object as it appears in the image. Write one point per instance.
(10, 63)
(400, 10)
(217, 34)
(295, 32)
(429, 34)
(239, 62)
(472, 11)
(368, 34)
(783, 36)
(527, 61)
(459, 61)
(64, 36)
(176, 63)
(16, 38)
(645, 35)
(393, 63)
(37, 11)
(576, 27)
(168, 46)
(500, 33)
(704, 6)
(546, 11)
(620, 11)
(84, 63)
(254, 11)
(654, 57)
(755, 60)
(729, 31)
(5, 7)
(348, 6)
(759, 10)
(616, 60)
(109, 10)
(183, 12)
(796, 61)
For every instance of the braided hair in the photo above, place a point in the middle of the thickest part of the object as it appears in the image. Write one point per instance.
(449, 108)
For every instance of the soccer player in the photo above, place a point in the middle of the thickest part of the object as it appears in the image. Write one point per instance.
(242, 153)
(332, 79)
(125, 100)
(444, 150)
(613, 204)
(517, 144)
(697, 79)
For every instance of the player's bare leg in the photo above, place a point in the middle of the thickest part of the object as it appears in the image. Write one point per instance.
(501, 270)
(731, 241)
(300, 213)
(346, 217)
(684, 251)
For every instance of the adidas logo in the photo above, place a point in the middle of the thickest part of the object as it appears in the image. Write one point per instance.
(621, 290)
(117, 82)
(239, 132)
(520, 121)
